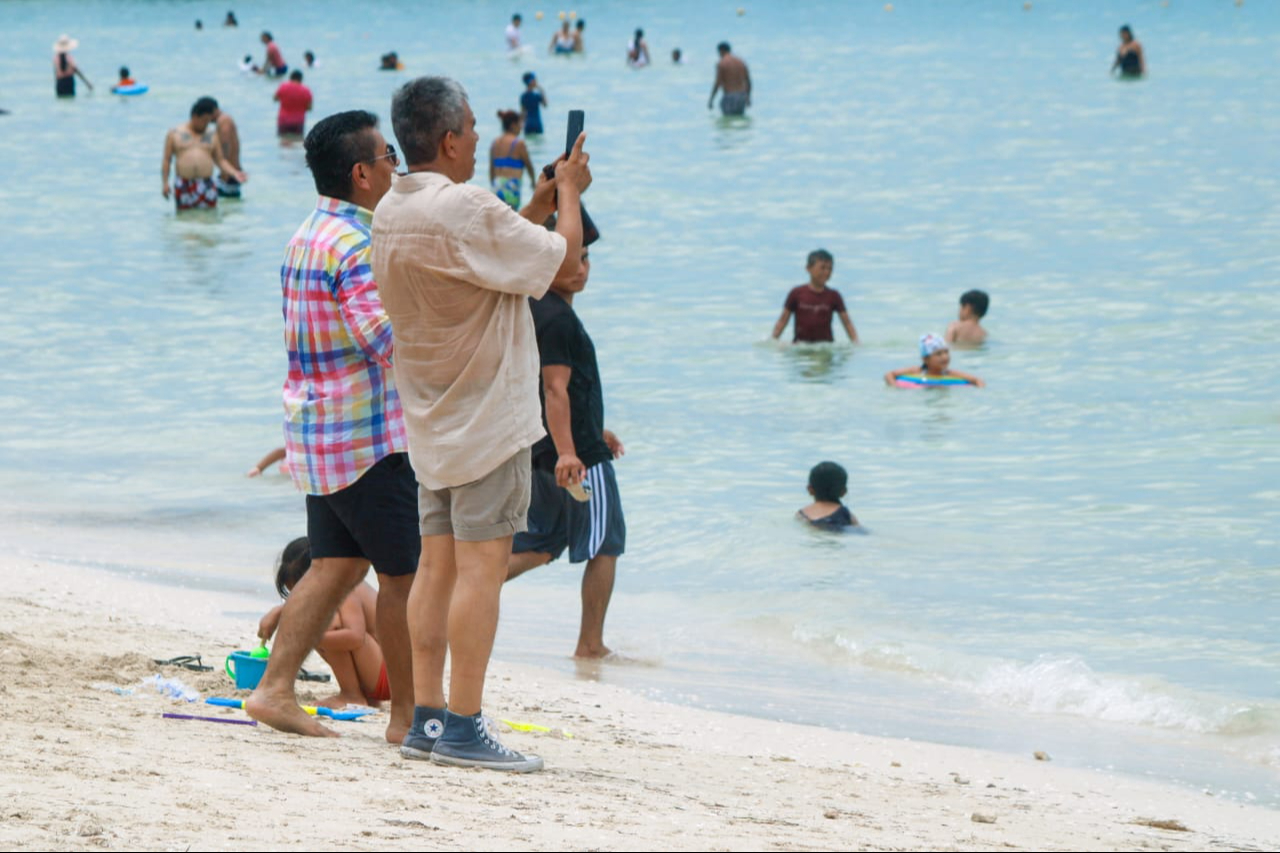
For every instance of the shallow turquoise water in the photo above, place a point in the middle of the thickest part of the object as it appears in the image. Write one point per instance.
(1083, 555)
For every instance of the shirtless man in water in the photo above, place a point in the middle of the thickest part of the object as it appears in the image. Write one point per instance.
(197, 149)
(733, 77)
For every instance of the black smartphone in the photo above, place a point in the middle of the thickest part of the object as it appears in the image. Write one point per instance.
(577, 118)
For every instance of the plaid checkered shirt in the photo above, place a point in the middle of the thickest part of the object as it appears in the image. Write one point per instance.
(342, 413)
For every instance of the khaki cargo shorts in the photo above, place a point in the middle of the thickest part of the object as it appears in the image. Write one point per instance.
(494, 506)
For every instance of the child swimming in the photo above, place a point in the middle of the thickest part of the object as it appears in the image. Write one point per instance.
(350, 644)
(935, 365)
(828, 483)
(968, 328)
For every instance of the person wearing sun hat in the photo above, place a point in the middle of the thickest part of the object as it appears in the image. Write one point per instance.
(65, 69)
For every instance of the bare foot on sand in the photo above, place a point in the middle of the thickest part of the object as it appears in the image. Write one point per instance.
(282, 713)
(396, 730)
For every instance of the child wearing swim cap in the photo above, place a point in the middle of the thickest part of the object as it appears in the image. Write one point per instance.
(828, 483)
(935, 357)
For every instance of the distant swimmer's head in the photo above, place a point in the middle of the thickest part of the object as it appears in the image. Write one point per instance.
(124, 72)
(309, 58)
(581, 25)
(203, 111)
(266, 37)
(295, 76)
(724, 48)
(1126, 34)
(675, 55)
(510, 121)
(820, 266)
(349, 159)
(529, 78)
(516, 19)
(828, 481)
(294, 561)
(976, 302)
(935, 355)
(639, 35)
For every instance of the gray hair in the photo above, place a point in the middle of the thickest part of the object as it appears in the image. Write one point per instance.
(423, 111)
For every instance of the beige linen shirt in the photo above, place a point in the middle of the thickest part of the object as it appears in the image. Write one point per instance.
(454, 265)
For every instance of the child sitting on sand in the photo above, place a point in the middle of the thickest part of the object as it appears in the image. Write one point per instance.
(350, 645)
(936, 361)
(968, 329)
(827, 485)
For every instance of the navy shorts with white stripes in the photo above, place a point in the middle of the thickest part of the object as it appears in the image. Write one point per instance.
(557, 521)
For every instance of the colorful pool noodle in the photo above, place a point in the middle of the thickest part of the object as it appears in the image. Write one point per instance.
(918, 380)
(310, 709)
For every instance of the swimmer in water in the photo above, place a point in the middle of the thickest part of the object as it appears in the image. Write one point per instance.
(968, 328)
(828, 483)
(65, 70)
(196, 147)
(125, 80)
(563, 41)
(1129, 58)
(638, 51)
(935, 359)
(509, 159)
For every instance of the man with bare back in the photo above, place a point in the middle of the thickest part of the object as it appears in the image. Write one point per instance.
(731, 76)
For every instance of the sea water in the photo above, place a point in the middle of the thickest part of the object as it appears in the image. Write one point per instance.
(1081, 558)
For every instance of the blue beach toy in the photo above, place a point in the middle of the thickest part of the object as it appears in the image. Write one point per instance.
(247, 669)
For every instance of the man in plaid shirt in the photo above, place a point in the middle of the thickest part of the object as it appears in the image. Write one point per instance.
(344, 432)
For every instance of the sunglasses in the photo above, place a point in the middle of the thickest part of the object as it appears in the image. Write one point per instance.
(390, 155)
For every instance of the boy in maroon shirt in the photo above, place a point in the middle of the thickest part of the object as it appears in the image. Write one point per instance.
(814, 303)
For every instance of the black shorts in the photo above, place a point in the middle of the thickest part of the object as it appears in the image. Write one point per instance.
(376, 518)
(557, 521)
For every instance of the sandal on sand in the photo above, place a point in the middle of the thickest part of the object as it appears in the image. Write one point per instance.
(304, 675)
(191, 662)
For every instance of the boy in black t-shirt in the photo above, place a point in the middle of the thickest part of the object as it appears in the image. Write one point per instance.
(576, 453)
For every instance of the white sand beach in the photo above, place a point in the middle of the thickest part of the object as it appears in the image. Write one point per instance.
(82, 767)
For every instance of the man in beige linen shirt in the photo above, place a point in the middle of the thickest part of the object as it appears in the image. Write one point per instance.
(454, 266)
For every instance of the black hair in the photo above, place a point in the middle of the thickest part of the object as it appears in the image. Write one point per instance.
(528, 76)
(62, 60)
(977, 300)
(819, 255)
(124, 72)
(267, 36)
(829, 482)
(306, 54)
(199, 24)
(295, 76)
(204, 106)
(723, 47)
(294, 561)
(1127, 29)
(639, 34)
(516, 17)
(334, 145)
(510, 119)
(582, 23)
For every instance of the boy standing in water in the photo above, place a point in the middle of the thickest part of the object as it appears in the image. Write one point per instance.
(532, 100)
(814, 303)
(968, 329)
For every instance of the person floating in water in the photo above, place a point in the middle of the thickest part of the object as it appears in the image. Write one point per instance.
(828, 483)
(935, 358)
(309, 57)
(196, 147)
(391, 62)
(532, 100)
(230, 20)
(968, 328)
(1129, 58)
(125, 80)
(579, 46)
(733, 77)
(65, 70)
(509, 159)
(814, 303)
